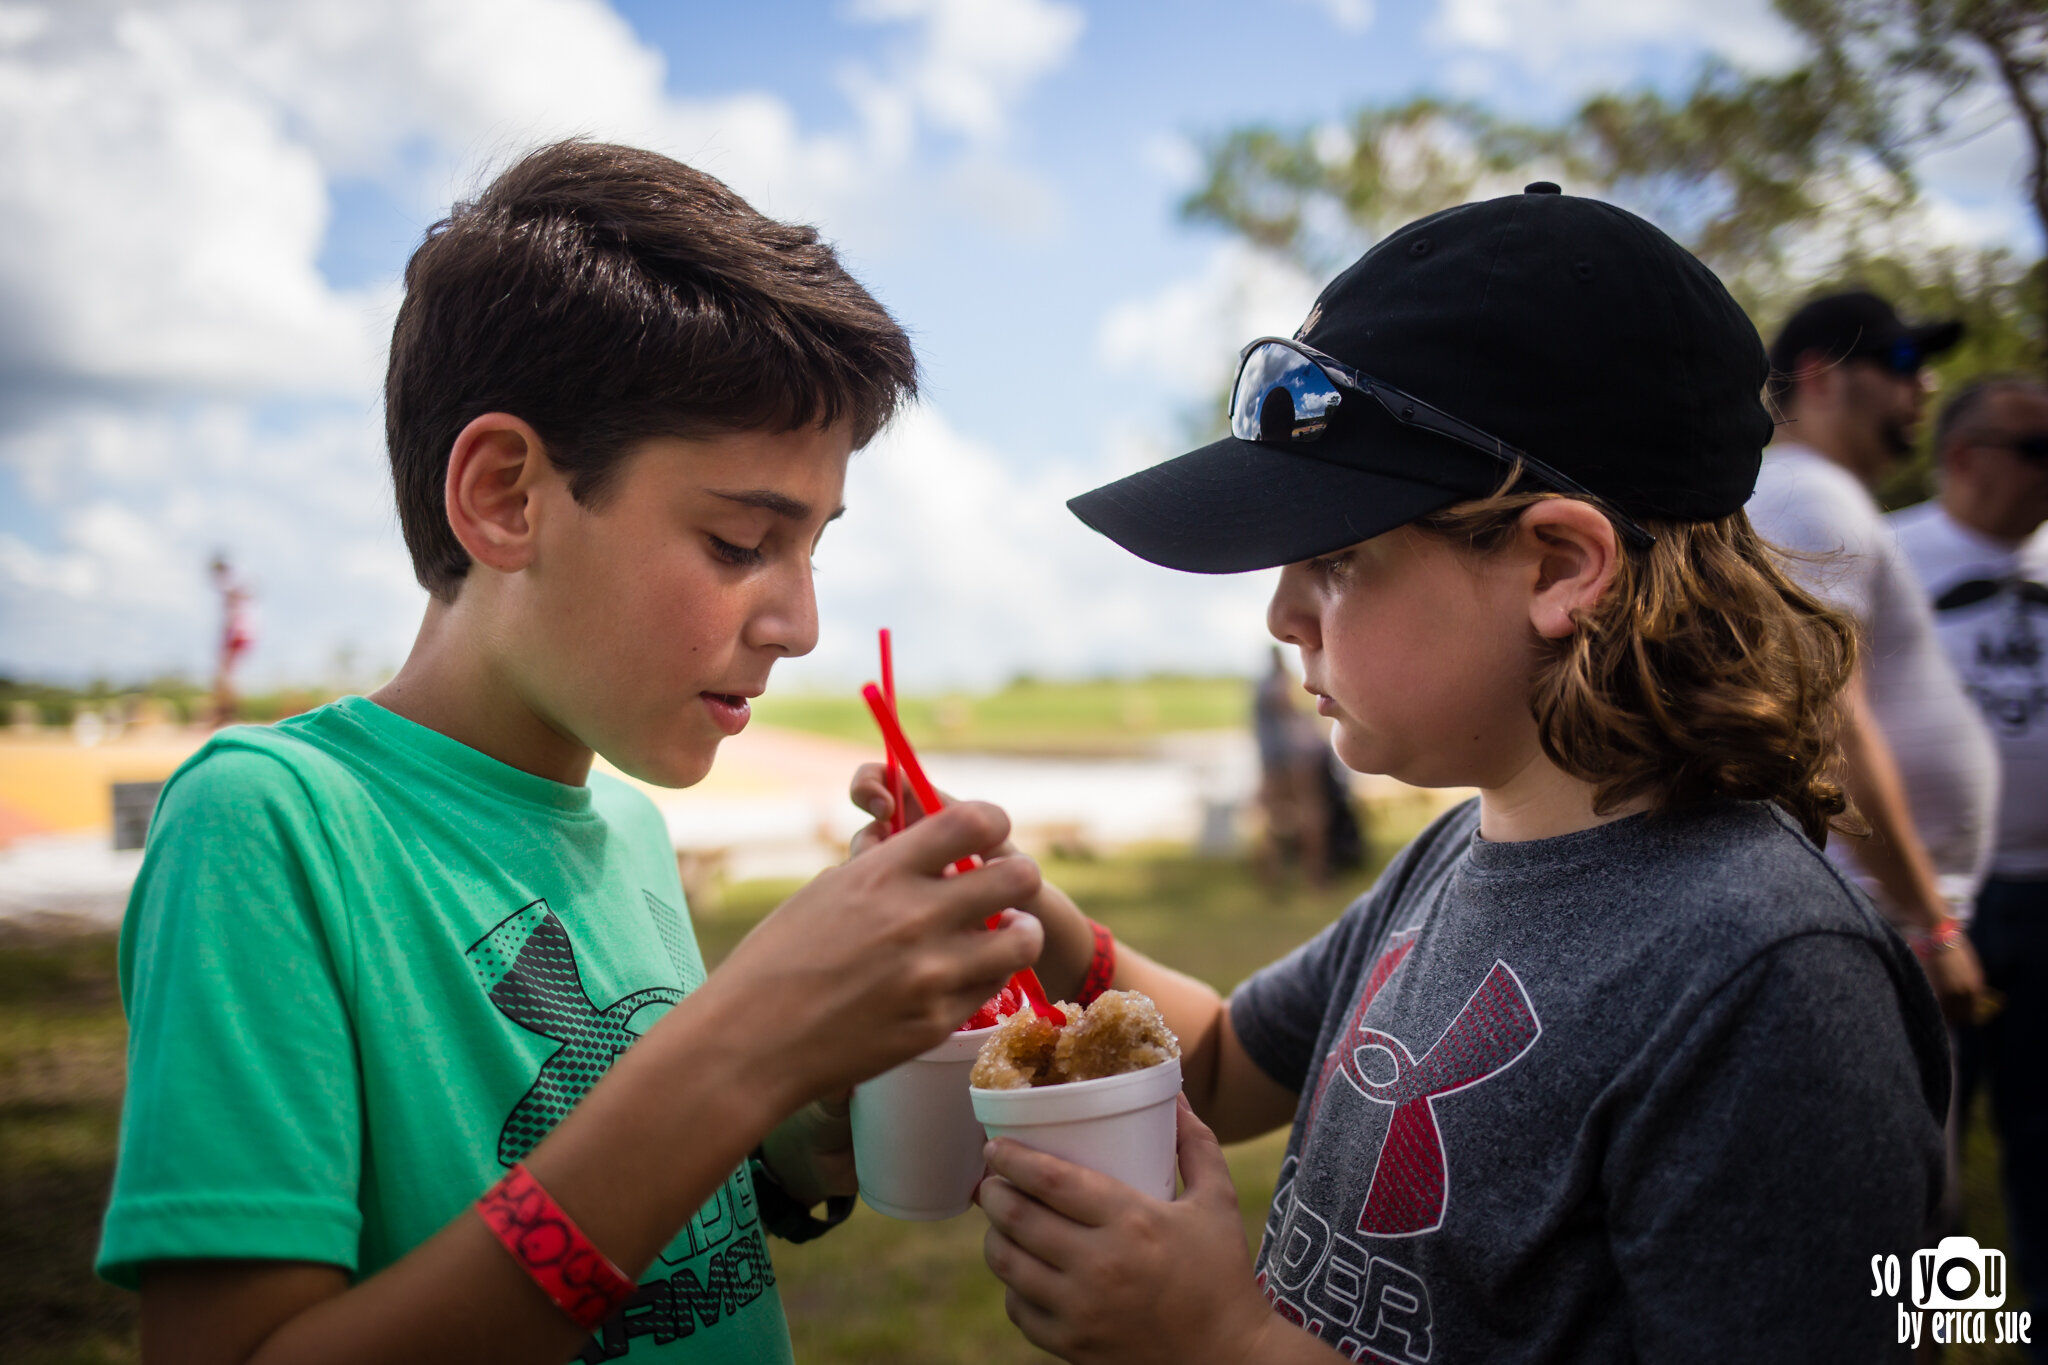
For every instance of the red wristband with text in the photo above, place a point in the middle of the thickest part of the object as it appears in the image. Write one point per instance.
(553, 1250)
(1101, 967)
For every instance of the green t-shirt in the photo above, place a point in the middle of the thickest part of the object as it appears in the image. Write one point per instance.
(366, 969)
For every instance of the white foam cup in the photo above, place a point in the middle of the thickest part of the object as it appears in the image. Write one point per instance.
(1122, 1126)
(916, 1143)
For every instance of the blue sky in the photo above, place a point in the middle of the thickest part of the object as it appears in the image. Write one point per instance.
(213, 200)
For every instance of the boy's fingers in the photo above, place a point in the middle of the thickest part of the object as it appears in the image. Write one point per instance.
(1202, 1166)
(870, 791)
(931, 846)
(1018, 1267)
(1035, 1230)
(990, 959)
(1001, 885)
(1075, 1192)
(1038, 1324)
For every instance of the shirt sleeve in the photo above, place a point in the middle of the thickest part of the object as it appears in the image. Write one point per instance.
(1787, 1139)
(241, 1129)
(1278, 1012)
(1830, 542)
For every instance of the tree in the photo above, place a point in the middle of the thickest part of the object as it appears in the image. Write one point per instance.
(1779, 182)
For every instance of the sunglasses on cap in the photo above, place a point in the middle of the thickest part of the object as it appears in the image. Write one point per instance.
(1286, 393)
(2031, 446)
(1902, 357)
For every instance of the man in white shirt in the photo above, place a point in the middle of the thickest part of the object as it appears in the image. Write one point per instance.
(1988, 582)
(1918, 761)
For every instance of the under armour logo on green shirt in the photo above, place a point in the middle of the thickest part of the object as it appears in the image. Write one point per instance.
(527, 967)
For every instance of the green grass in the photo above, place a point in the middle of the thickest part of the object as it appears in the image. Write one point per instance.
(61, 1055)
(1030, 716)
(875, 1290)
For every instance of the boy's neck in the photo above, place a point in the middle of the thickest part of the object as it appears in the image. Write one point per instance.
(451, 686)
(1542, 801)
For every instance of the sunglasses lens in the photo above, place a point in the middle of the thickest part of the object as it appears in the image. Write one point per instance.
(1281, 396)
(1905, 358)
(2033, 448)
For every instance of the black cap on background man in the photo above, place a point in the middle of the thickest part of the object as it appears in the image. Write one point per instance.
(1847, 375)
(1858, 325)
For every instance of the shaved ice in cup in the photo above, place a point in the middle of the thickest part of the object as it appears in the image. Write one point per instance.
(1098, 1092)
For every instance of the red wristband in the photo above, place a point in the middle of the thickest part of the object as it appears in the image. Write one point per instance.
(553, 1250)
(1925, 943)
(1101, 967)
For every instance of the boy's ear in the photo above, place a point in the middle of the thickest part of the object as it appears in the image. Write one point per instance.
(493, 468)
(1574, 554)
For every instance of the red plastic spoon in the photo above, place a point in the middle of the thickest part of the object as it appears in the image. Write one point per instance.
(1026, 980)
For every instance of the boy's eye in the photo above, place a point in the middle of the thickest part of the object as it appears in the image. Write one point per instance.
(739, 556)
(1330, 566)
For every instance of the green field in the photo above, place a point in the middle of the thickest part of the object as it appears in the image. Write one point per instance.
(875, 1290)
(1103, 716)
(1026, 716)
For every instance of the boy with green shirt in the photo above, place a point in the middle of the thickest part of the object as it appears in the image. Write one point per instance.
(388, 953)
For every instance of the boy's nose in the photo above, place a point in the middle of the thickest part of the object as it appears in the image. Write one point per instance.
(1290, 616)
(787, 621)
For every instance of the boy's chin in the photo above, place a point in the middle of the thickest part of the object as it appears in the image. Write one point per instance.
(678, 765)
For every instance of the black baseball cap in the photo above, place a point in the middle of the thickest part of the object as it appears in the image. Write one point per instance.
(1560, 325)
(1859, 323)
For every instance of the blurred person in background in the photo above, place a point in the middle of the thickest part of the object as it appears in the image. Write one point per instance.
(1918, 762)
(1984, 565)
(1294, 763)
(237, 634)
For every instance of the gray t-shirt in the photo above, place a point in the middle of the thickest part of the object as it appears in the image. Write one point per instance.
(1654, 1091)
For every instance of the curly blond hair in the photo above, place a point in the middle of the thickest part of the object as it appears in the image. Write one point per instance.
(1704, 671)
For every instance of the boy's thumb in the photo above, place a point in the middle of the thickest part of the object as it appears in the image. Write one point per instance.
(1202, 1167)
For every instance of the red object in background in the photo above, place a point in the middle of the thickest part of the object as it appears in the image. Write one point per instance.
(237, 636)
(237, 631)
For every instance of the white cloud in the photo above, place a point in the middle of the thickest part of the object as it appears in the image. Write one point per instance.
(162, 231)
(1350, 16)
(1972, 182)
(976, 565)
(1577, 41)
(1173, 157)
(1184, 337)
(141, 500)
(973, 59)
(165, 169)
(177, 375)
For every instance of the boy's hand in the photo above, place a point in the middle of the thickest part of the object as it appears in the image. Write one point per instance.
(811, 1152)
(870, 794)
(1069, 937)
(1958, 981)
(1098, 1272)
(879, 958)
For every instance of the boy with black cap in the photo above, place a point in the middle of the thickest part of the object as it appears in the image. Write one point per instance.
(1612, 1064)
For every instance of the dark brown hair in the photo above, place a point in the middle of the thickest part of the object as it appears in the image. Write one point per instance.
(1965, 412)
(1704, 671)
(606, 295)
